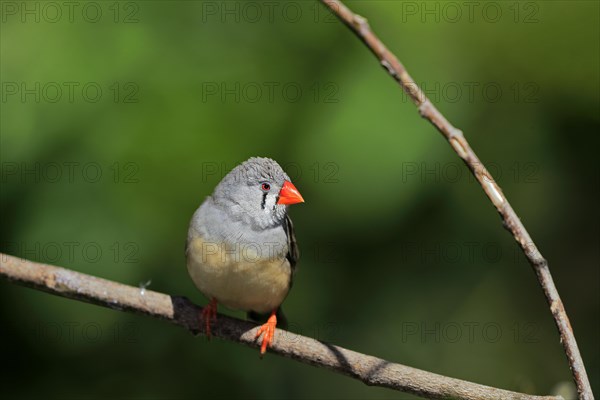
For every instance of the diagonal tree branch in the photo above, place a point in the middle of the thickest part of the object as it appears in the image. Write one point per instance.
(460, 145)
(180, 311)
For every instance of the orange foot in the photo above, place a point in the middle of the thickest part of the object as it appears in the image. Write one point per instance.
(209, 312)
(269, 330)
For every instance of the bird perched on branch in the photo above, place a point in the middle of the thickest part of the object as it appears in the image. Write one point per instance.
(241, 250)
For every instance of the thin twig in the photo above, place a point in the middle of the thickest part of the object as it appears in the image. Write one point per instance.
(511, 221)
(180, 311)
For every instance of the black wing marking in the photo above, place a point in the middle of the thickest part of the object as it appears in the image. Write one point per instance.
(293, 254)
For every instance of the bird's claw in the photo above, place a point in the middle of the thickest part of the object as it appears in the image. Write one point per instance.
(268, 328)
(207, 314)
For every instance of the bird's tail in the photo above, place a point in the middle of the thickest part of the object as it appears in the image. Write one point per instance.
(282, 321)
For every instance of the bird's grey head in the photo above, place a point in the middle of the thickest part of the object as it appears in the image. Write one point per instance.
(258, 192)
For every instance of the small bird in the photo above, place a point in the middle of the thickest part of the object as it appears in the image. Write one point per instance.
(241, 249)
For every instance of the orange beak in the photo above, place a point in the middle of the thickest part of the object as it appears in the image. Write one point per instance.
(289, 194)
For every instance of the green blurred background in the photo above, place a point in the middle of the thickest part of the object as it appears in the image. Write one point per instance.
(118, 118)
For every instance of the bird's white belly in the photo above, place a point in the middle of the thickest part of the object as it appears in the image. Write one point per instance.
(238, 277)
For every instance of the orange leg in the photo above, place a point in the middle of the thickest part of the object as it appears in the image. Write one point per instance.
(269, 330)
(209, 312)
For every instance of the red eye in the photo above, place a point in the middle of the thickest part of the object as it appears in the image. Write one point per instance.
(266, 187)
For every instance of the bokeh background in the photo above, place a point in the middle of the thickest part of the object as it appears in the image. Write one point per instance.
(118, 118)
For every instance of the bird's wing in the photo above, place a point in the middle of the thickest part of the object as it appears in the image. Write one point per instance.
(293, 252)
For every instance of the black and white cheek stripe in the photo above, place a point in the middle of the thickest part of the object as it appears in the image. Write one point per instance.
(264, 200)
